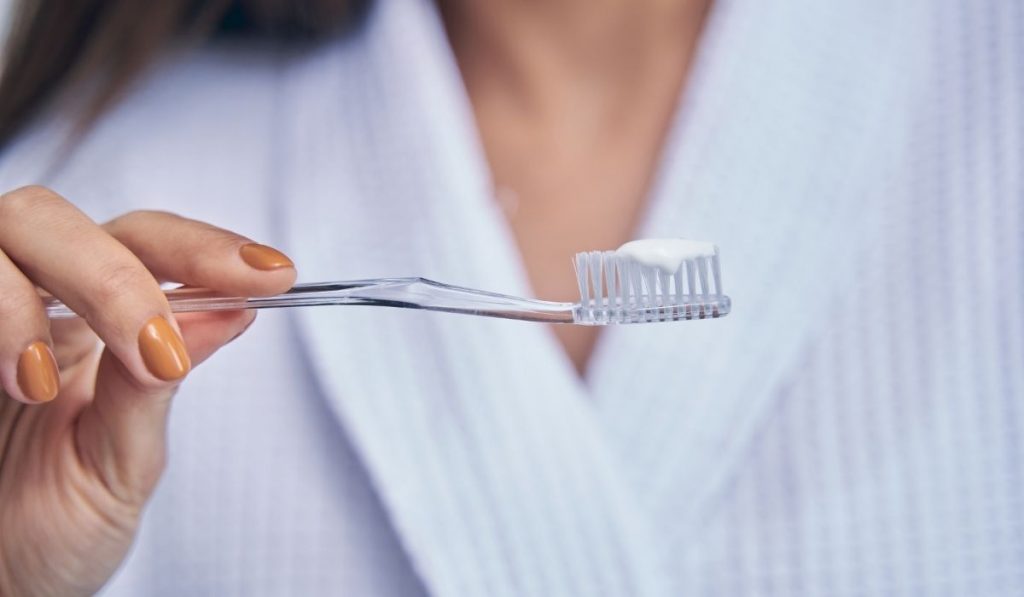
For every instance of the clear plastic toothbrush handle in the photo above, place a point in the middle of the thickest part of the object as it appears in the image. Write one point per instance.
(408, 293)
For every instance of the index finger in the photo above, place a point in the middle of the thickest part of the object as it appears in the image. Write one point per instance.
(198, 254)
(60, 249)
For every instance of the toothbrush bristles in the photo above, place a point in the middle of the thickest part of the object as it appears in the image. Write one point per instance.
(617, 289)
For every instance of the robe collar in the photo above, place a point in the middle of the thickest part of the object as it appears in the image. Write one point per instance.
(502, 470)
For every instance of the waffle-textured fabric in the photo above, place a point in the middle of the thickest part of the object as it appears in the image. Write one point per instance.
(855, 427)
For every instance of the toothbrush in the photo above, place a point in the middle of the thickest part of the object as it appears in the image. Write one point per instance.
(643, 281)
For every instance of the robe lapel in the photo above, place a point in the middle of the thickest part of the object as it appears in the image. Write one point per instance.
(498, 470)
(775, 88)
(477, 434)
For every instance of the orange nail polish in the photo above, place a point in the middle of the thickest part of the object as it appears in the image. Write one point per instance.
(38, 376)
(263, 257)
(163, 350)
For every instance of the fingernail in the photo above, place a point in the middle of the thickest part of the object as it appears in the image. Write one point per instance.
(263, 257)
(38, 376)
(163, 350)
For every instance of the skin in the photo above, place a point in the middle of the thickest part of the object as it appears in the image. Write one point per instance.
(573, 99)
(76, 472)
(561, 90)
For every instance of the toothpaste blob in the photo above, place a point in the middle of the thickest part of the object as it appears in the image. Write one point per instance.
(666, 254)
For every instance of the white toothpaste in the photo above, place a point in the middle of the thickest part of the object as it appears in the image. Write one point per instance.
(667, 254)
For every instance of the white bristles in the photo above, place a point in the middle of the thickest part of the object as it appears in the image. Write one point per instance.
(618, 289)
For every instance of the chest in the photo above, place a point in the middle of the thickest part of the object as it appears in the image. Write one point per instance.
(565, 186)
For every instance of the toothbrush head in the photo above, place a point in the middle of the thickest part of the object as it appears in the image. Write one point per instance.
(650, 280)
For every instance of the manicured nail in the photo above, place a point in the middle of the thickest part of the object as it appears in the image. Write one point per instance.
(38, 376)
(163, 350)
(263, 257)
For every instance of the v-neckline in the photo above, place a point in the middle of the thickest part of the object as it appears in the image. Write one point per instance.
(481, 429)
(656, 195)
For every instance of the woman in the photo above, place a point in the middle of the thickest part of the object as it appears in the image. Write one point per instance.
(853, 428)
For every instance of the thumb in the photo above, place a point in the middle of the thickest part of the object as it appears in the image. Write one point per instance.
(121, 434)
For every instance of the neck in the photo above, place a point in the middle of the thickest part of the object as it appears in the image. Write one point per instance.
(572, 100)
(545, 54)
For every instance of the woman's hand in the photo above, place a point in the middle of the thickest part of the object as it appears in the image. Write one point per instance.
(82, 426)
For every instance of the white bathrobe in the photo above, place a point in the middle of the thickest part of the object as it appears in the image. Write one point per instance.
(855, 427)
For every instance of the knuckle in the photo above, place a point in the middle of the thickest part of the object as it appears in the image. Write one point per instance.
(134, 218)
(26, 198)
(119, 279)
(140, 217)
(124, 225)
(125, 220)
(16, 302)
(115, 285)
(31, 191)
(157, 213)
